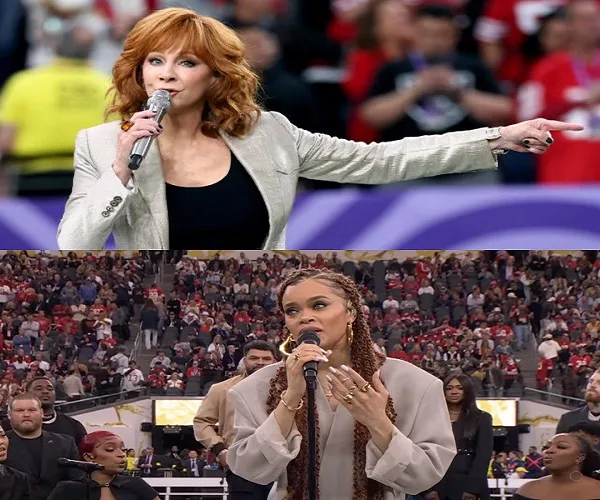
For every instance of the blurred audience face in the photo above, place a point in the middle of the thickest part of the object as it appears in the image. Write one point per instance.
(435, 37)
(44, 391)
(262, 48)
(178, 71)
(256, 359)
(562, 453)
(259, 8)
(393, 21)
(314, 305)
(555, 36)
(3, 445)
(26, 416)
(584, 18)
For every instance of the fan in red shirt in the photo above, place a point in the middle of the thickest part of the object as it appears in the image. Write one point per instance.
(383, 35)
(566, 85)
(580, 360)
(98, 308)
(154, 292)
(502, 30)
(542, 376)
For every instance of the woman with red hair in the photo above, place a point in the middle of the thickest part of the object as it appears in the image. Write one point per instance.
(106, 449)
(222, 172)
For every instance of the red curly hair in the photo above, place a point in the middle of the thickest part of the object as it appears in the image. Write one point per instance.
(230, 103)
(365, 363)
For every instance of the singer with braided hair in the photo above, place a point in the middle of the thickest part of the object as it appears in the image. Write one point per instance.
(382, 429)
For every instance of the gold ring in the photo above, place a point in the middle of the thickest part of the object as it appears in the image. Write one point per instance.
(345, 379)
(296, 356)
(126, 125)
(366, 387)
(348, 398)
(353, 388)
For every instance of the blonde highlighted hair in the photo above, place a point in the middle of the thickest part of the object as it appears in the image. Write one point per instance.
(230, 104)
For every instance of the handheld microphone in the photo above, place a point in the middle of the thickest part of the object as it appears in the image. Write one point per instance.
(87, 467)
(160, 103)
(310, 367)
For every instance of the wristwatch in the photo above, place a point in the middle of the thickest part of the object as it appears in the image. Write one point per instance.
(494, 133)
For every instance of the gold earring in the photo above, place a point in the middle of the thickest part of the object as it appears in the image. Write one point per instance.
(350, 334)
(287, 346)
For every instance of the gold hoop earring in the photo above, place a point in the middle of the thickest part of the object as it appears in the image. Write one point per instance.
(350, 334)
(579, 477)
(287, 346)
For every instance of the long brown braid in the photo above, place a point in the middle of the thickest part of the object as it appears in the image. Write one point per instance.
(364, 362)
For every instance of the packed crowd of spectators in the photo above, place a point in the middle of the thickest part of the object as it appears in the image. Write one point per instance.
(67, 318)
(568, 290)
(362, 69)
(467, 312)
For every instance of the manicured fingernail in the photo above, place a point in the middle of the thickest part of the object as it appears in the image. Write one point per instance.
(324, 359)
(332, 369)
(329, 379)
(549, 140)
(345, 368)
(324, 351)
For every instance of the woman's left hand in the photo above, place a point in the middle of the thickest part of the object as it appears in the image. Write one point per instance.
(531, 136)
(366, 402)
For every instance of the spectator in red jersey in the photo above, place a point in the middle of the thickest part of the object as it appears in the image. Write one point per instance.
(502, 31)
(567, 85)
(384, 35)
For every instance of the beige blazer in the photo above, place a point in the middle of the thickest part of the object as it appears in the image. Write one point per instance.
(216, 411)
(275, 154)
(421, 450)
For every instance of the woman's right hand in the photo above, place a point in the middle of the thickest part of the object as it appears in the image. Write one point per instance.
(295, 370)
(144, 125)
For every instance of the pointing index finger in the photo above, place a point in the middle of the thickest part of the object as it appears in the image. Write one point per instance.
(556, 125)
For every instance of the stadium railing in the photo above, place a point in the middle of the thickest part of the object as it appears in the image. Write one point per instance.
(179, 487)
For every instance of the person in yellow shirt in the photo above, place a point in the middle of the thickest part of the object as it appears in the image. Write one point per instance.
(42, 109)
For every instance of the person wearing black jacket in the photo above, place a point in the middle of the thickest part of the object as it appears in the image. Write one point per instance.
(35, 452)
(107, 449)
(14, 485)
(52, 421)
(466, 479)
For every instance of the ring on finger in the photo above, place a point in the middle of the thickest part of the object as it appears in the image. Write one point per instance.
(126, 125)
(296, 356)
(353, 388)
(344, 380)
(348, 398)
(366, 387)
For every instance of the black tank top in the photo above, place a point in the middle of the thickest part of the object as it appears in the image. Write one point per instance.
(228, 215)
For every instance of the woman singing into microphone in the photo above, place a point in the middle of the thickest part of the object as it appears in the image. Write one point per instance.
(107, 449)
(382, 432)
(221, 173)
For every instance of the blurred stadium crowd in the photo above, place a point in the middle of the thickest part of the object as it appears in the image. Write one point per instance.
(107, 326)
(361, 69)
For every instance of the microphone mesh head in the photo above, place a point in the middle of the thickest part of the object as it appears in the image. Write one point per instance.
(160, 99)
(309, 337)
